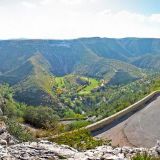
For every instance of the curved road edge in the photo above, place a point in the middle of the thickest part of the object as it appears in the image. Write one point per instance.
(136, 106)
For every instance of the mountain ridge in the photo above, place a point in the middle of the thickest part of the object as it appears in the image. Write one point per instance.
(34, 63)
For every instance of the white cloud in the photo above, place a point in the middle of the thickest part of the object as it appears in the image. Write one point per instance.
(128, 24)
(155, 18)
(71, 19)
(72, 2)
(105, 12)
(44, 2)
(28, 4)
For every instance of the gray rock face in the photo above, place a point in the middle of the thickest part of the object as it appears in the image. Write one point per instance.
(1, 113)
(47, 150)
(36, 150)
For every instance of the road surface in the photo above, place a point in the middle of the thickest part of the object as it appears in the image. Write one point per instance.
(139, 129)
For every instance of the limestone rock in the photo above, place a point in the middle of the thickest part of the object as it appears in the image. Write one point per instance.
(44, 150)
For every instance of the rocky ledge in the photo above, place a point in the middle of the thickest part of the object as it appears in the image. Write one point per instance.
(10, 149)
(47, 150)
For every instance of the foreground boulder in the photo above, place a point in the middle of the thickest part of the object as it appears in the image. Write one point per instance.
(47, 150)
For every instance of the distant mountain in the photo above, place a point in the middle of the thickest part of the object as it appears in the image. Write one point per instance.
(31, 66)
(148, 62)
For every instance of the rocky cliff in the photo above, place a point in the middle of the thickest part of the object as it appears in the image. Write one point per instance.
(47, 150)
(10, 149)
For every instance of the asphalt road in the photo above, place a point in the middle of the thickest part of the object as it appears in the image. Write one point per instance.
(140, 129)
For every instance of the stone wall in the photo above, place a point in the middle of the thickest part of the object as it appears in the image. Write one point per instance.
(106, 121)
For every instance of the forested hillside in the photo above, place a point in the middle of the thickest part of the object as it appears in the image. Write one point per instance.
(58, 73)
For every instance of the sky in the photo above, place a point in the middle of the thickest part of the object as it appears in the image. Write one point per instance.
(67, 19)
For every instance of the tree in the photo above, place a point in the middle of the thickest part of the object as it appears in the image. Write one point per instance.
(41, 117)
(6, 94)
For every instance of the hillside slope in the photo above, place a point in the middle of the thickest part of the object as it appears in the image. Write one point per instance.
(31, 66)
(148, 62)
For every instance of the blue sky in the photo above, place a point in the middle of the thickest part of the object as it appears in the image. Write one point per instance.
(139, 6)
(147, 6)
(65, 19)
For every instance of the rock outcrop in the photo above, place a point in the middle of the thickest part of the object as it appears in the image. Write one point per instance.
(10, 149)
(5, 138)
(47, 150)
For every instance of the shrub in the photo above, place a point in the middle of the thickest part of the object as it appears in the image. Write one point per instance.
(78, 124)
(41, 117)
(14, 109)
(81, 140)
(144, 156)
(69, 113)
(18, 131)
(10, 110)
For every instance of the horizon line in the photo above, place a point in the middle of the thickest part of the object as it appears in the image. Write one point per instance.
(90, 37)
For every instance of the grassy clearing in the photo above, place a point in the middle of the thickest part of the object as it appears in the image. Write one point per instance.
(60, 82)
(93, 84)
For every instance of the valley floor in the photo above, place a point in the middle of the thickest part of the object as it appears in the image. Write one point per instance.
(140, 129)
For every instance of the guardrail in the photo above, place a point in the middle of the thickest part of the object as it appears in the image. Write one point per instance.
(106, 121)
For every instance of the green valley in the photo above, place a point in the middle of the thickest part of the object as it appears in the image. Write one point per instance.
(71, 75)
